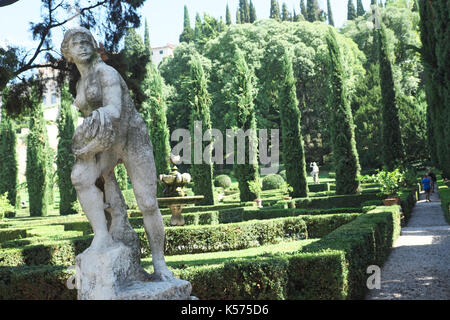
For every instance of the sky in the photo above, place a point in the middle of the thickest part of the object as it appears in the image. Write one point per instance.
(165, 17)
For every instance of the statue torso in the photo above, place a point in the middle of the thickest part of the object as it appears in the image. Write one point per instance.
(89, 92)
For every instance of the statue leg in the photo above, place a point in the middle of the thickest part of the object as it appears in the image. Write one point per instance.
(143, 178)
(84, 176)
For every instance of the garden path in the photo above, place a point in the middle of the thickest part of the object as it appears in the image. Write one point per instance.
(418, 267)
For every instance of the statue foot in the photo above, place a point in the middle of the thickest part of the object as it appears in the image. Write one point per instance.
(101, 241)
(162, 274)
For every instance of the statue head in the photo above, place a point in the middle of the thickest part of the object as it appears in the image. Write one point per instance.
(79, 45)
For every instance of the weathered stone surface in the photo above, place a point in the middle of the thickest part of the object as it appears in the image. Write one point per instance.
(113, 275)
(113, 132)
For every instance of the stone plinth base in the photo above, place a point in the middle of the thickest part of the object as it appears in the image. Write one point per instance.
(175, 289)
(114, 273)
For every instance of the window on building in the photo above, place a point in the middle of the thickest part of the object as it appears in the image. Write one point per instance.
(161, 51)
(54, 98)
(44, 99)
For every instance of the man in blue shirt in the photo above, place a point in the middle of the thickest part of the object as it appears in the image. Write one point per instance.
(426, 186)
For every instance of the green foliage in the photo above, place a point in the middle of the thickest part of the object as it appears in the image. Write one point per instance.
(199, 101)
(240, 100)
(390, 181)
(360, 8)
(154, 113)
(227, 16)
(252, 9)
(338, 201)
(330, 14)
(5, 205)
(272, 181)
(37, 169)
(365, 241)
(8, 158)
(255, 187)
(435, 52)
(65, 158)
(135, 56)
(121, 176)
(244, 11)
(345, 155)
(402, 43)
(392, 140)
(222, 181)
(351, 11)
(275, 10)
(188, 33)
(314, 13)
(444, 193)
(283, 90)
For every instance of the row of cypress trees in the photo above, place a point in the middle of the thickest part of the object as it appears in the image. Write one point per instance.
(435, 35)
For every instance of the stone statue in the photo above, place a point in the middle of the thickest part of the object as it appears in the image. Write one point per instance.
(315, 172)
(113, 132)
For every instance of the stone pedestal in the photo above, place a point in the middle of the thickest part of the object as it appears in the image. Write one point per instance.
(111, 274)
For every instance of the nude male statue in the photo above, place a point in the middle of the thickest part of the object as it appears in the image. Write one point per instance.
(113, 132)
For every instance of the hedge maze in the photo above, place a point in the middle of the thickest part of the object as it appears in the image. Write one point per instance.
(318, 250)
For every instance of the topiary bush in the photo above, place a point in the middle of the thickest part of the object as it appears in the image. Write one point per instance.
(272, 181)
(223, 181)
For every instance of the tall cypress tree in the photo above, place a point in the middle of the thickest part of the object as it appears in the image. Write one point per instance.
(198, 31)
(351, 11)
(244, 11)
(435, 52)
(313, 10)
(330, 14)
(37, 174)
(392, 140)
(303, 9)
(65, 158)
(147, 46)
(154, 113)
(242, 106)
(253, 17)
(238, 16)
(285, 14)
(441, 10)
(8, 159)
(200, 103)
(291, 135)
(346, 160)
(275, 10)
(188, 33)
(227, 16)
(360, 8)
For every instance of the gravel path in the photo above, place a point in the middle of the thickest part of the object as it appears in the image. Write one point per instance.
(418, 267)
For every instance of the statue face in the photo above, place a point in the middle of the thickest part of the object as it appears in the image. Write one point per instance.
(81, 49)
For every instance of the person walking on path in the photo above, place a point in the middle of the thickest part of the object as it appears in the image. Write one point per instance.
(433, 180)
(426, 186)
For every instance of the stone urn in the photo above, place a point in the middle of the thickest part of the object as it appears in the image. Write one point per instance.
(391, 201)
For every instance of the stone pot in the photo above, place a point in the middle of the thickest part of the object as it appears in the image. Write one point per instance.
(391, 201)
(258, 203)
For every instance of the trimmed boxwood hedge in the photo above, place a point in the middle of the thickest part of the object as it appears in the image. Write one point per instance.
(12, 234)
(318, 275)
(366, 241)
(319, 187)
(189, 239)
(341, 201)
(444, 193)
(222, 181)
(331, 268)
